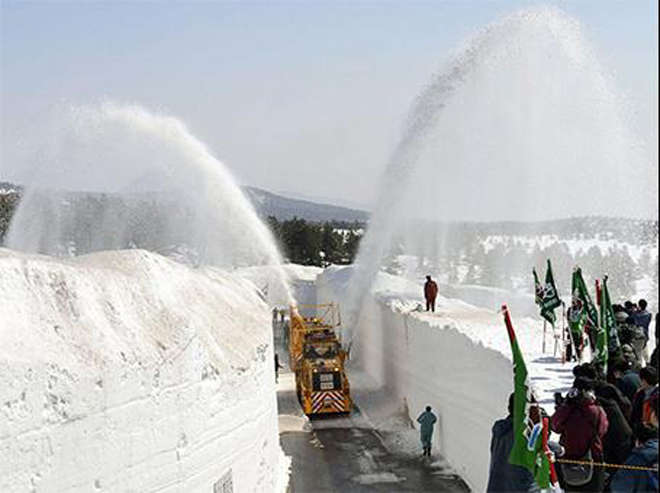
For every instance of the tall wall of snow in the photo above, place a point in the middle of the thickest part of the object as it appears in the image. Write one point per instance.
(422, 364)
(124, 371)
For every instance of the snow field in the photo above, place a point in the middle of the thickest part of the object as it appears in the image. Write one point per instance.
(124, 371)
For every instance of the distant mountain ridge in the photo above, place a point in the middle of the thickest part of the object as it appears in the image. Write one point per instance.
(284, 208)
(271, 204)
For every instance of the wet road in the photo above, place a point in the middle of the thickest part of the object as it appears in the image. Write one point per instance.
(345, 454)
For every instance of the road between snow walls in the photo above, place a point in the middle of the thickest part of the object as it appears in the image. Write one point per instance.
(125, 371)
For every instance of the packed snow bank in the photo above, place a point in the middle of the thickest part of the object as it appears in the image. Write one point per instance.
(457, 360)
(125, 371)
(491, 298)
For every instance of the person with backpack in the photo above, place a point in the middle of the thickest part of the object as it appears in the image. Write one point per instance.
(430, 293)
(426, 420)
(504, 477)
(581, 424)
(645, 455)
(630, 334)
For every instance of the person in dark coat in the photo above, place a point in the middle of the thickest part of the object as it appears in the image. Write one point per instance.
(426, 421)
(430, 293)
(626, 379)
(277, 366)
(642, 318)
(504, 477)
(582, 425)
(617, 442)
(649, 379)
(616, 395)
(644, 455)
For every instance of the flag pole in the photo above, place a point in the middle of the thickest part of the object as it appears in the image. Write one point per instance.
(571, 339)
(545, 324)
(563, 343)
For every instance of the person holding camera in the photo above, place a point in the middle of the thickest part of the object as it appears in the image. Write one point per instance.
(581, 424)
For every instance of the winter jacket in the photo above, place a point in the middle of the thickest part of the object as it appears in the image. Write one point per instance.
(426, 420)
(650, 403)
(629, 384)
(643, 319)
(430, 290)
(611, 391)
(582, 424)
(618, 439)
(504, 477)
(630, 480)
(638, 405)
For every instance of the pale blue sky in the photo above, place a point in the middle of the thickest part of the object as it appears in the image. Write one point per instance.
(301, 97)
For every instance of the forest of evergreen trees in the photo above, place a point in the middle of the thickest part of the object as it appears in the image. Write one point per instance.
(315, 243)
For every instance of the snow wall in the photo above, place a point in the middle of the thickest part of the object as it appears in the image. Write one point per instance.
(421, 364)
(125, 371)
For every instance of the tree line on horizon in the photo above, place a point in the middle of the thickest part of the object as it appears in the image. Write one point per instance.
(460, 254)
(316, 243)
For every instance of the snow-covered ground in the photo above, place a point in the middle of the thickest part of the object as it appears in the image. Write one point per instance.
(575, 246)
(125, 371)
(457, 360)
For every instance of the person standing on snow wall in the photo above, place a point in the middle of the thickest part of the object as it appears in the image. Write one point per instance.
(430, 293)
(426, 420)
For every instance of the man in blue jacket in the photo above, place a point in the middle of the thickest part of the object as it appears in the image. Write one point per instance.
(426, 420)
(645, 455)
(505, 477)
(642, 318)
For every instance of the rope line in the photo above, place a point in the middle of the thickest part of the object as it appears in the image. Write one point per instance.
(604, 464)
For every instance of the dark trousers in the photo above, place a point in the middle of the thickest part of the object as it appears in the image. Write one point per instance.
(577, 351)
(430, 305)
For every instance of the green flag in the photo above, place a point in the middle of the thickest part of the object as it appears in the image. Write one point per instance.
(600, 354)
(539, 291)
(579, 291)
(608, 321)
(577, 313)
(546, 295)
(550, 296)
(527, 450)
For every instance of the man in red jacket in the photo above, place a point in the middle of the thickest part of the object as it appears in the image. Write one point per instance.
(430, 293)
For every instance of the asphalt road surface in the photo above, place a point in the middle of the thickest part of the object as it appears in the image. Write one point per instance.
(345, 454)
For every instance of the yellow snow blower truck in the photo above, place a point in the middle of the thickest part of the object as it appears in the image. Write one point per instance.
(317, 359)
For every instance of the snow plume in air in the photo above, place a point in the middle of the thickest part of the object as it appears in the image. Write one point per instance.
(519, 125)
(114, 176)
